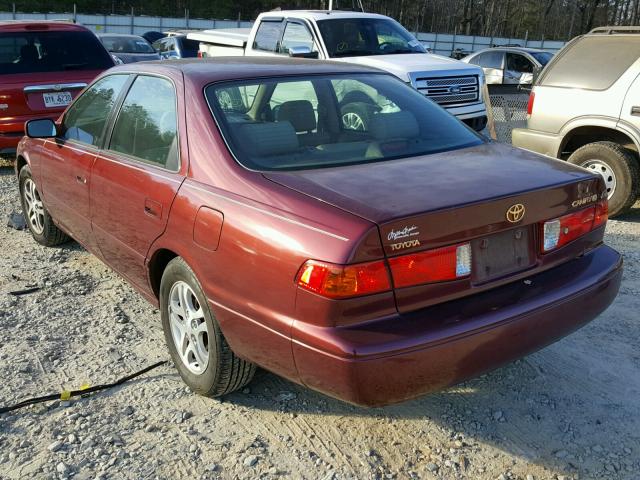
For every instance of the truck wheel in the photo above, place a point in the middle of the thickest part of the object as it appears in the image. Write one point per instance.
(619, 169)
(40, 223)
(355, 116)
(196, 344)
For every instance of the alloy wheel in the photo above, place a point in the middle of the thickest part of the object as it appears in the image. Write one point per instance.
(35, 208)
(188, 328)
(352, 121)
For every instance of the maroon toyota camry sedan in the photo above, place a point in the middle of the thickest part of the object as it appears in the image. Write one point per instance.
(321, 220)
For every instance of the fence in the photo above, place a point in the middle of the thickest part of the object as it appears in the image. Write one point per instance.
(509, 112)
(442, 44)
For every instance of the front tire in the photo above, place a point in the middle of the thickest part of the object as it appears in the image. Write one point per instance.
(618, 168)
(40, 224)
(197, 346)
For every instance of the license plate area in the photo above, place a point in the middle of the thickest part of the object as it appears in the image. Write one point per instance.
(502, 254)
(57, 99)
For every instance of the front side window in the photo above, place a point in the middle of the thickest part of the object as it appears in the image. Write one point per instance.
(296, 35)
(85, 119)
(268, 36)
(519, 63)
(327, 121)
(147, 126)
(490, 59)
(51, 51)
(351, 37)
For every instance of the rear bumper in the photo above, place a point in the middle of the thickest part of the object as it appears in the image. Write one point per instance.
(539, 142)
(404, 356)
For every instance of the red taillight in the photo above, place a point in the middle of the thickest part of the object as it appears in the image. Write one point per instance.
(439, 265)
(562, 230)
(602, 213)
(343, 281)
(199, 54)
(532, 97)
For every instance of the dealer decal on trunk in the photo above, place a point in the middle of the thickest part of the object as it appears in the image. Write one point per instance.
(406, 232)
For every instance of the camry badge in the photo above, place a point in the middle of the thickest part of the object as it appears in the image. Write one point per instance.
(515, 213)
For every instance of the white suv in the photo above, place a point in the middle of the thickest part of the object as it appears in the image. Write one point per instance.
(585, 108)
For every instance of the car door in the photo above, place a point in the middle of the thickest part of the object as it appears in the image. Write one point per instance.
(136, 178)
(630, 113)
(492, 64)
(518, 69)
(66, 161)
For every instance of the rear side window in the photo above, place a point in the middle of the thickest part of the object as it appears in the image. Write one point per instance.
(268, 35)
(51, 51)
(85, 120)
(147, 125)
(593, 62)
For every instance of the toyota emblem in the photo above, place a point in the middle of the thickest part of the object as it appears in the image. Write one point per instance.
(515, 213)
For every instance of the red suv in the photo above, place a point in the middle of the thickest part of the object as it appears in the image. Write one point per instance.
(43, 66)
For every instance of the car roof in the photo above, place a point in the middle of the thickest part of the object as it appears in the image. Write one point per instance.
(320, 14)
(39, 25)
(208, 70)
(515, 49)
(121, 35)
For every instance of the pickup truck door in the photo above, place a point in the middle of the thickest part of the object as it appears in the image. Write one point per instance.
(136, 178)
(518, 69)
(67, 160)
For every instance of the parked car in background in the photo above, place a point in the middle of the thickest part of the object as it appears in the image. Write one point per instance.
(176, 46)
(372, 265)
(509, 66)
(585, 108)
(153, 36)
(128, 48)
(43, 65)
(363, 38)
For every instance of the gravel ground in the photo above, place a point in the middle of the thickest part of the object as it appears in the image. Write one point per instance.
(569, 411)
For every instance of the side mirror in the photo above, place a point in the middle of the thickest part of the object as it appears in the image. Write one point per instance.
(41, 128)
(302, 52)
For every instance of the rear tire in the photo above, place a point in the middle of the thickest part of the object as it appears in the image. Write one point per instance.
(618, 167)
(40, 223)
(197, 346)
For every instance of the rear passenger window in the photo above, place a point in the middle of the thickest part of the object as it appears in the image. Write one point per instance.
(268, 35)
(86, 118)
(593, 62)
(146, 127)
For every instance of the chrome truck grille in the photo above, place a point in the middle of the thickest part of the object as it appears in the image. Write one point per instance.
(450, 90)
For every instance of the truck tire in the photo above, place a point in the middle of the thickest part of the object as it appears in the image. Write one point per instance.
(197, 346)
(40, 224)
(619, 169)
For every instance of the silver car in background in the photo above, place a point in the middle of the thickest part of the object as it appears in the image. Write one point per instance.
(585, 108)
(128, 48)
(509, 66)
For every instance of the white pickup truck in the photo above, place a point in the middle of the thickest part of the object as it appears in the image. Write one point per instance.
(363, 38)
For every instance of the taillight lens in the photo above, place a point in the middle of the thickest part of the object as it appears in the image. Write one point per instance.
(343, 281)
(532, 98)
(439, 265)
(562, 230)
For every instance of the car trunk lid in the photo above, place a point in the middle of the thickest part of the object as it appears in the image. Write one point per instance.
(457, 197)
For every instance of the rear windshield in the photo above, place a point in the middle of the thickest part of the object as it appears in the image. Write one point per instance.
(593, 62)
(31, 52)
(133, 44)
(326, 121)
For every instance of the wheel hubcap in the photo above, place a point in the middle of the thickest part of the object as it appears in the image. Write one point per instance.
(352, 121)
(35, 209)
(188, 328)
(598, 166)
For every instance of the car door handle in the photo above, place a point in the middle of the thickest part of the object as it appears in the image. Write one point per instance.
(152, 208)
(635, 111)
(81, 179)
